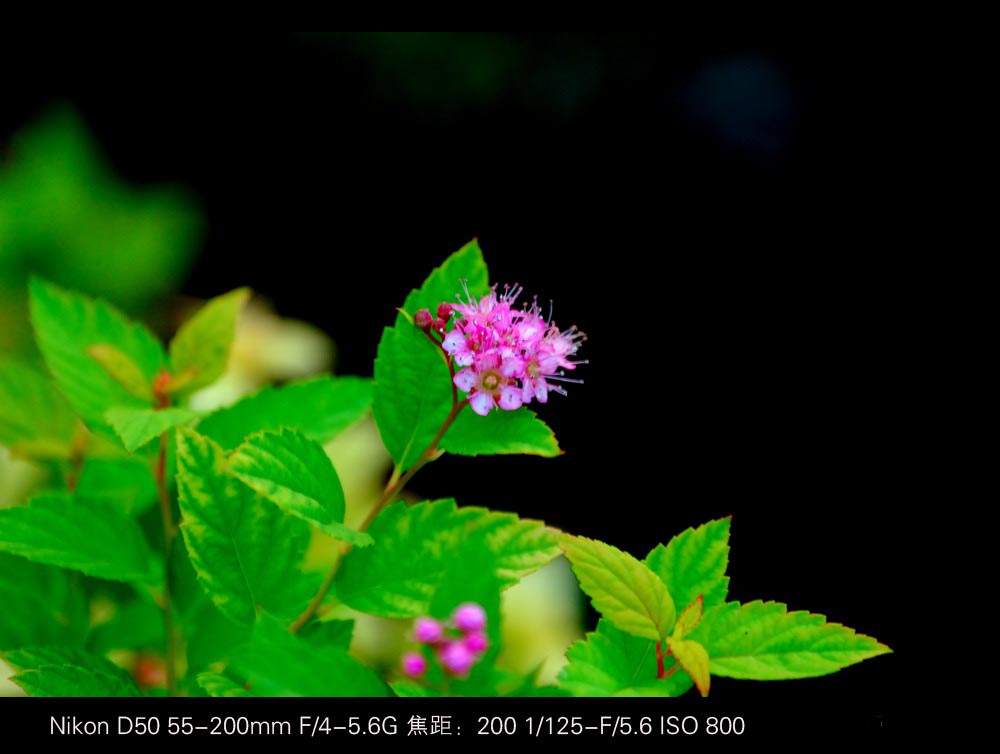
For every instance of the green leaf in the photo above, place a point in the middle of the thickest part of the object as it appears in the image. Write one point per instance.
(201, 346)
(412, 382)
(216, 684)
(81, 534)
(34, 657)
(124, 371)
(75, 681)
(412, 392)
(126, 482)
(137, 624)
(445, 282)
(412, 689)
(500, 433)
(763, 641)
(67, 325)
(277, 663)
(398, 575)
(294, 473)
(41, 605)
(694, 562)
(693, 658)
(246, 552)
(138, 426)
(610, 662)
(320, 408)
(622, 589)
(35, 420)
(329, 633)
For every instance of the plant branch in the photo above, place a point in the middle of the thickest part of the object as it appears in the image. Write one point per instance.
(169, 532)
(396, 484)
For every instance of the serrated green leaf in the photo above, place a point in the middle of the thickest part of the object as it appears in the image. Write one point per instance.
(40, 605)
(81, 534)
(245, 550)
(294, 473)
(216, 684)
(412, 383)
(277, 663)
(33, 657)
(201, 346)
(397, 576)
(693, 659)
(126, 482)
(66, 326)
(412, 392)
(609, 662)
(622, 589)
(694, 562)
(329, 633)
(124, 371)
(500, 433)
(689, 618)
(36, 421)
(763, 641)
(138, 426)
(445, 282)
(74, 681)
(320, 408)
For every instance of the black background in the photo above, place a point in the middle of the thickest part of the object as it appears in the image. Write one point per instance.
(731, 259)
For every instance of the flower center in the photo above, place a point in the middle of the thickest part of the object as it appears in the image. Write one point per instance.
(490, 381)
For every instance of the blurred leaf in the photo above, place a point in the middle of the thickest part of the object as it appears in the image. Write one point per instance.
(694, 562)
(411, 689)
(763, 641)
(138, 426)
(500, 433)
(610, 662)
(216, 684)
(125, 371)
(294, 473)
(85, 535)
(63, 212)
(320, 408)
(399, 574)
(126, 482)
(412, 384)
(137, 624)
(67, 325)
(622, 589)
(40, 605)
(329, 633)
(277, 663)
(245, 550)
(35, 420)
(201, 346)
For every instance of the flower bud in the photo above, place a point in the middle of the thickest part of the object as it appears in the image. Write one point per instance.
(414, 664)
(444, 310)
(476, 642)
(427, 631)
(455, 658)
(423, 319)
(469, 617)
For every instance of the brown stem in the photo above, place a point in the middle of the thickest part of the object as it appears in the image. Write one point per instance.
(391, 492)
(76, 456)
(169, 532)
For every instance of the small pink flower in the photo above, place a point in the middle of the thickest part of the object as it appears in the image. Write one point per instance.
(456, 658)
(476, 642)
(428, 631)
(469, 617)
(414, 664)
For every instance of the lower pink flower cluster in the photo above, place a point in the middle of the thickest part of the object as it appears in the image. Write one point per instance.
(508, 356)
(457, 645)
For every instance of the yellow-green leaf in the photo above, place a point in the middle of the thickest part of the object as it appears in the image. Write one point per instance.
(36, 421)
(693, 659)
(622, 589)
(201, 346)
(125, 371)
(138, 426)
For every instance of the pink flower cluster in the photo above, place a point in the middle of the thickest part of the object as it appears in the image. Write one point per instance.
(509, 356)
(458, 645)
